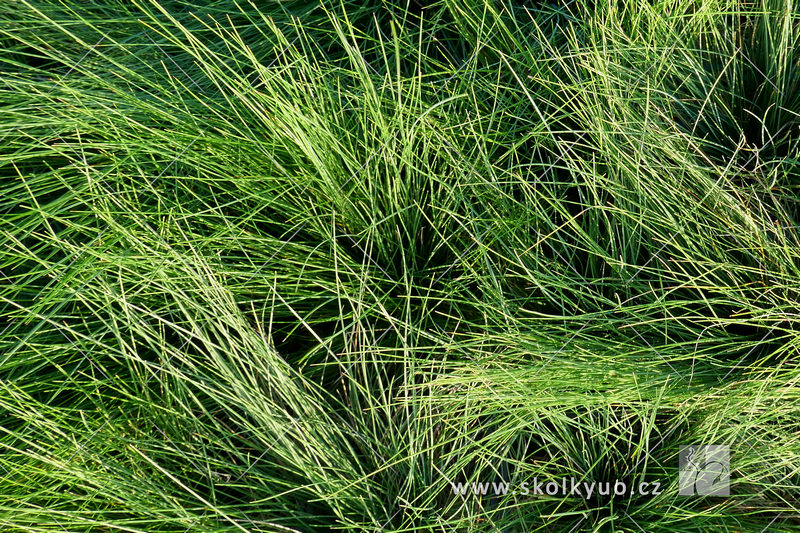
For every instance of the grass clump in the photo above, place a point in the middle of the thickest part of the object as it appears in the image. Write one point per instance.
(307, 266)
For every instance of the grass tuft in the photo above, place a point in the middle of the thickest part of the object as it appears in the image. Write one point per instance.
(306, 266)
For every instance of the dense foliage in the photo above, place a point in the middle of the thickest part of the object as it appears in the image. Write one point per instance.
(301, 266)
